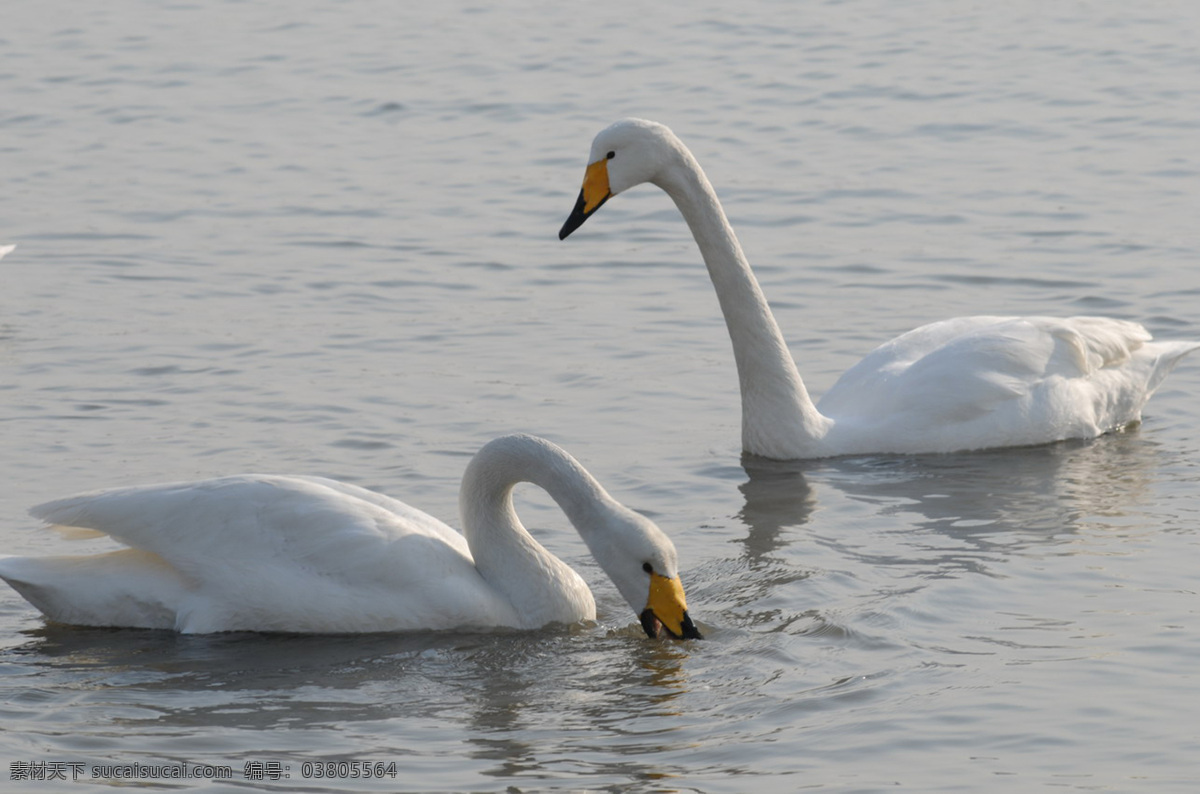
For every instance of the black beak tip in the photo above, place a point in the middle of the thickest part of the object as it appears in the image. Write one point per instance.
(690, 632)
(650, 623)
(579, 215)
(654, 627)
(575, 219)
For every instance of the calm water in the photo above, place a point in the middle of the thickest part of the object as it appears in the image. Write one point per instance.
(321, 238)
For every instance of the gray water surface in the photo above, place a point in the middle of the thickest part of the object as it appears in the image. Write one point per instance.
(320, 238)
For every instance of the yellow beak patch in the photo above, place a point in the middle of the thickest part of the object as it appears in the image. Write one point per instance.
(595, 186)
(667, 606)
(595, 192)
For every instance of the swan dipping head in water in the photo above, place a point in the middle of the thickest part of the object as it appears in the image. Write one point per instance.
(280, 553)
(961, 384)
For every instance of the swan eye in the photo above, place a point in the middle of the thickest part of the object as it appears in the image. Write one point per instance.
(610, 155)
(647, 567)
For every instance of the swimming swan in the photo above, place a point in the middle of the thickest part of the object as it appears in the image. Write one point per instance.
(307, 554)
(961, 384)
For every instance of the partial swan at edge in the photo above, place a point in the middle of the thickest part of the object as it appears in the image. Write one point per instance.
(307, 554)
(961, 384)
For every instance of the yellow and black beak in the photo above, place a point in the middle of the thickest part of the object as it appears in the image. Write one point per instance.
(666, 610)
(594, 193)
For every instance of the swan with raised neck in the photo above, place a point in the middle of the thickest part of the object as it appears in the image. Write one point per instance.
(960, 384)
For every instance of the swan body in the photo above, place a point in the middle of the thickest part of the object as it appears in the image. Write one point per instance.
(961, 384)
(308, 554)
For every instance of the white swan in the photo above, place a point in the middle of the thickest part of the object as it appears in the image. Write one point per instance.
(307, 554)
(961, 384)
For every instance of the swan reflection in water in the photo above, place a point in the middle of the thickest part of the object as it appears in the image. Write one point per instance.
(1031, 496)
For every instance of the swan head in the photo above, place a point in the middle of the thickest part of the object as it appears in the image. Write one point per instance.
(625, 154)
(640, 559)
(666, 609)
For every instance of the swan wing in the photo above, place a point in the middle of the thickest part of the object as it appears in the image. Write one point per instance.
(321, 523)
(983, 360)
(275, 553)
(972, 382)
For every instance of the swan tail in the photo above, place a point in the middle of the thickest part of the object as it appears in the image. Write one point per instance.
(129, 588)
(1169, 354)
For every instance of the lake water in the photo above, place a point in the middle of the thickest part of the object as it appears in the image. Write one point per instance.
(320, 238)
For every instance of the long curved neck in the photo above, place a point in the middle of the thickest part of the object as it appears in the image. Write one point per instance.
(779, 419)
(541, 588)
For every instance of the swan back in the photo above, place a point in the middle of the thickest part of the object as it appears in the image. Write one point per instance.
(979, 382)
